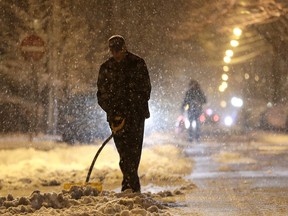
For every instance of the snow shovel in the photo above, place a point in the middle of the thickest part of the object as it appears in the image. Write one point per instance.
(97, 185)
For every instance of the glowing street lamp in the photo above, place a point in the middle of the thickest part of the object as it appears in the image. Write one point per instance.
(237, 31)
(225, 77)
(225, 68)
(227, 59)
(234, 43)
(224, 84)
(221, 88)
(229, 53)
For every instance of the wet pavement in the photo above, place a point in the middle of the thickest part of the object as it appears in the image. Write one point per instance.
(243, 175)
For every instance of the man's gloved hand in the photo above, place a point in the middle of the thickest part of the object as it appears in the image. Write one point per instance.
(117, 124)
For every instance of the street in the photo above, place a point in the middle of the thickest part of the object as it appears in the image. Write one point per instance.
(223, 174)
(244, 175)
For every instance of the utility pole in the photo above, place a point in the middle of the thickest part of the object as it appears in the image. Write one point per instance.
(53, 40)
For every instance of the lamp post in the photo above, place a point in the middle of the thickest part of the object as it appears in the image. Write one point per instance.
(53, 34)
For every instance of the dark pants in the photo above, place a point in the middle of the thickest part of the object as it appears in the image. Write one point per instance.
(194, 132)
(129, 146)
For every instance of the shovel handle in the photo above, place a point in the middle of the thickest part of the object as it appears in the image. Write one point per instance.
(96, 156)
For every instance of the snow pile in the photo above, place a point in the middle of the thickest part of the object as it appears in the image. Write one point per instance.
(42, 170)
(25, 168)
(88, 201)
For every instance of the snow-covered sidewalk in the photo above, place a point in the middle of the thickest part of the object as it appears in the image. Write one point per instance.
(32, 174)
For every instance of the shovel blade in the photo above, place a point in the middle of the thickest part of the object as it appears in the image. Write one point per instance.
(96, 185)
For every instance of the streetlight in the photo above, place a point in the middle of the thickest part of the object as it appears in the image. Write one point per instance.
(221, 88)
(237, 31)
(225, 68)
(224, 84)
(227, 59)
(225, 77)
(229, 53)
(234, 43)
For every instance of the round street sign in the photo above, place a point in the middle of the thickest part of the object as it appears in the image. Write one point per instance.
(33, 47)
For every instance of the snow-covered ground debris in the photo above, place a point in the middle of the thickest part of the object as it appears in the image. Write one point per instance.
(87, 201)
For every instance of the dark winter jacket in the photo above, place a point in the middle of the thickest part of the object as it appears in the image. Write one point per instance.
(124, 87)
(194, 98)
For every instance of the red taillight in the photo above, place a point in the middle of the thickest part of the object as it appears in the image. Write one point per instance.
(202, 118)
(216, 118)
